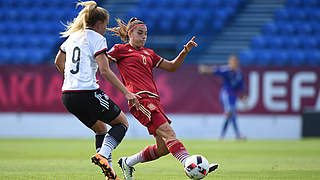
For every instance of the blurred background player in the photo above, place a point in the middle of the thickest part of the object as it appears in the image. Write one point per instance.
(78, 60)
(233, 87)
(135, 64)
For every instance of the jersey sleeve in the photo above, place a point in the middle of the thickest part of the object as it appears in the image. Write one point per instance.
(100, 47)
(219, 70)
(156, 59)
(63, 47)
(114, 54)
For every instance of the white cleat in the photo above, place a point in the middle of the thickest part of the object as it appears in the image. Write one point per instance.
(126, 169)
(212, 167)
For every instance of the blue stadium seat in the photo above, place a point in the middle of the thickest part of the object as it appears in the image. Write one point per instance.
(292, 42)
(145, 4)
(181, 3)
(312, 57)
(282, 15)
(263, 57)
(232, 3)
(297, 58)
(316, 14)
(298, 15)
(293, 3)
(271, 29)
(316, 27)
(280, 58)
(276, 42)
(287, 28)
(309, 42)
(200, 4)
(185, 20)
(303, 28)
(167, 26)
(310, 3)
(259, 42)
(5, 55)
(247, 58)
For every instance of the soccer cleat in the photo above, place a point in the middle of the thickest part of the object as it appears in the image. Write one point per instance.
(113, 179)
(104, 165)
(212, 167)
(126, 169)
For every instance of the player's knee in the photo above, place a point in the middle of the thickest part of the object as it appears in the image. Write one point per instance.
(166, 132)
(118, 131)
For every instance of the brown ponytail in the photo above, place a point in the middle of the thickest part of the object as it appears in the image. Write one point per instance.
(123, 28)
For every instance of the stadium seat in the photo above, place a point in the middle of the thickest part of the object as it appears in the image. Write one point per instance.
(309, 42)
(310, 3)
(263, 57)
(181, 4)
(276, 42)
(297, 58)
(271, 29)
(287, 28)
(280, 58)
(282, 15)
(303, 28)
(5, 55)
(293, 3)
(292, 42)
(259, 42)
(247, 58)
(312, 57)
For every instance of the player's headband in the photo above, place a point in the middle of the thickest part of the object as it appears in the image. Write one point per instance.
(135, 27)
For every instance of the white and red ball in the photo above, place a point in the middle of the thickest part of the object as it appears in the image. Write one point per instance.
(196, 167)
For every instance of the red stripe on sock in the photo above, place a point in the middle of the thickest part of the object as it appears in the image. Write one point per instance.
(177, 149)
(150, 153)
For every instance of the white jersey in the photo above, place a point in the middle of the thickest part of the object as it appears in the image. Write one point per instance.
(81, 67)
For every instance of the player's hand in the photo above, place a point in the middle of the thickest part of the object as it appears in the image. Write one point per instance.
(244, 100)
(190, 45)
(204, 69)
(133, 99)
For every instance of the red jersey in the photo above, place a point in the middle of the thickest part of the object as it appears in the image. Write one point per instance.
(135, 67)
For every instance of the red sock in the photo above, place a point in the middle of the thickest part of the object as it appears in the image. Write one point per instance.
(178, 150)
(149, 153)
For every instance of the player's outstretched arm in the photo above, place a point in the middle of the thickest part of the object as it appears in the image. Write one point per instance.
(172, 66)
(205, 69)
(107, 73)
(60, 61)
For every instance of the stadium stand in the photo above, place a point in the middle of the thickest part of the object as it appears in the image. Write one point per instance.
(170, 22)
(261, 32)
(293, 38)
(30, 29)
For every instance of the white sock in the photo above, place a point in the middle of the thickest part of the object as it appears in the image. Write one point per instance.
(134, 159)
(109, 143)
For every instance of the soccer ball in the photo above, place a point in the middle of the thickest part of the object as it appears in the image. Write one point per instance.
(196, 167)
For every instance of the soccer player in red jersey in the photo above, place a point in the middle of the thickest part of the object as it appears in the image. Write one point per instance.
(135, 64)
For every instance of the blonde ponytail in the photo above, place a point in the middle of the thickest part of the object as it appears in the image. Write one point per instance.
(88, 16)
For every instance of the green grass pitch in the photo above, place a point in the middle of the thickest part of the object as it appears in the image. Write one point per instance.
(69, 159)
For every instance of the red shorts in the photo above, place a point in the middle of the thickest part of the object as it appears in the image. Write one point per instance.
(150, 114)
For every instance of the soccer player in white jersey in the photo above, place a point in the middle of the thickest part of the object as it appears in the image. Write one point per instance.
(78, 60)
